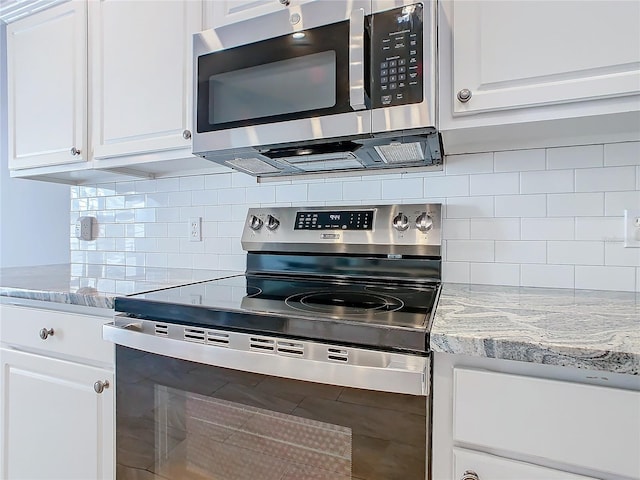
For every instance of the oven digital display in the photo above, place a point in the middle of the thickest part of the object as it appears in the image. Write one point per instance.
(335, 220)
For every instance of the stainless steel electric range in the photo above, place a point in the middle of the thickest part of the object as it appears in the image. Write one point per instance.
(313, 364)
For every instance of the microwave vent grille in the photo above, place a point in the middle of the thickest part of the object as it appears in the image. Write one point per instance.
(252, 166)
(320, 162)
(398, 153)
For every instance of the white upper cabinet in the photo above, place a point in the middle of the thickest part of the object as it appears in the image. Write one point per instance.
(224, 12)
(530, 74)
(141, 76)
(47, 87)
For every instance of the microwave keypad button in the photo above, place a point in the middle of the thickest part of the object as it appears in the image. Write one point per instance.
(402, 61)
(412, 60)
(393, 71)
(385, 99)
(384, 73)
(383, 87)
(393, 86)
(402, 69)
(393, 63)
(402, 76)
(384, 79)
(393, 78)
(384, 64)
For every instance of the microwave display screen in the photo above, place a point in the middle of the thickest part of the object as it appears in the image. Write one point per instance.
(334, 220)
(287, 86)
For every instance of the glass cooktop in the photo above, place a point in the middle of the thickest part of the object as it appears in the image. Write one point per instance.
(382, 315)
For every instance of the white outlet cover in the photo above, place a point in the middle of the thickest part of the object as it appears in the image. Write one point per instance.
(84, 228)
(195, 232)
(632, 228)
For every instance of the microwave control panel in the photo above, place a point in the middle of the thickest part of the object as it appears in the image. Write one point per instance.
(397, 56)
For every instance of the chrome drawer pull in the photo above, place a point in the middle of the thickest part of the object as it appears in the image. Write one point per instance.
(44, 333)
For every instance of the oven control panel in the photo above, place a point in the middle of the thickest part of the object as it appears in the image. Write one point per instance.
(411, 229)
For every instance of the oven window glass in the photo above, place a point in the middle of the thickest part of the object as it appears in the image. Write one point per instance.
(295, 85)
(184, 420)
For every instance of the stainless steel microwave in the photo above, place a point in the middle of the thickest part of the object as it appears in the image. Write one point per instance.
(319, 86)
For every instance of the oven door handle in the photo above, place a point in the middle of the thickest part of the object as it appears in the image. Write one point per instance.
(398, 373)
(356, 60)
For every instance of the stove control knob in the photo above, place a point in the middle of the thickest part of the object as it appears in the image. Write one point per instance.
(255, 223)
(272, 222)
(424, 223)
(400, 222)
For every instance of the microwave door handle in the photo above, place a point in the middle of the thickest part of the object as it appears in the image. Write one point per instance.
(356, 59)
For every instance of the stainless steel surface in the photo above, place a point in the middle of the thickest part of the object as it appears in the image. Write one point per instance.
(424, 222)
(255, 223)
(186, 134)
(99, 386)
(75, 151)
(400, 222)
(46, 333)
(470, 475)
(272, 222)
(356, 59)
(280, 357)
(464, 95)
(381, 239)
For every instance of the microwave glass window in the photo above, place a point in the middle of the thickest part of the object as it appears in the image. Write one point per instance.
(294, 85)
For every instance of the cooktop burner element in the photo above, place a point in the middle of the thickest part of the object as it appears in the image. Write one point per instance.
(350, 303)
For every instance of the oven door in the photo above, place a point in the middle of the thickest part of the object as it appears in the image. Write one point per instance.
(182, 419)
(291, 76)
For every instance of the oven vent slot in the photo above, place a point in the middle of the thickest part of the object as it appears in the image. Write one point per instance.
(338, 354)
(194, 335)
(291, 348)
(162, 329)
(217, 338)
(262, 344)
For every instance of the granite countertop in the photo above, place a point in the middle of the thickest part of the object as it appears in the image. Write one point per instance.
(94, 285)
(595, 330)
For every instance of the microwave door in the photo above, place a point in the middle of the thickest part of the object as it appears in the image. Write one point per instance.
(299, 87)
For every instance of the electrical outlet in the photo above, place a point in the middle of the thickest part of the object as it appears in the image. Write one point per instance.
(632, 228)
(84, 228)
(195, 234)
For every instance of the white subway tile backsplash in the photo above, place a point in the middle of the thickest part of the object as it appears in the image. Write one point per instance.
(261, 194)
(187, 246)
(145, 186)
(187, 213)
(455, 229)
(494, 184)
(111, 203)
(575, 204)
(495, 274)
(554, 181)
(520, 160)
(521, 252)
(204, 197)
(615, 254)
(171, 214)
(470, 207)
(610, 229)
(469, 251)
(194, 182)
(168, 245)
(495, 229)
(180, 199)
(449, 186)
(242, 180)
(363, 190)
(456, 272)
(156, 260)
(125, 216)
(290, 193)
(606, 278)
(103, 190)
(114, 230)
(402, 188)
(124, 188)
(547, 228)
(615, 203)
(218, 246)
(521, 206)
(145, 215)
(167, 185)
(215, 182)
(638, 279)
(575, 157)
(180, 260)
(325, 192)
(625, 153)
(575, 253)
(551, 276)
(232, 196)
(608, 179)
(471, 163)
(135, 230)
(233, 262)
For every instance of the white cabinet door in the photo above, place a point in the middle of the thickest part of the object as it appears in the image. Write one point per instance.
(54, 425)
(511, 54)
(141, 76)
(225, 12)
(47, 87)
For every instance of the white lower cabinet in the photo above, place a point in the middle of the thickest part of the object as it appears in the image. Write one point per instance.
(56, 409)
(503, 420)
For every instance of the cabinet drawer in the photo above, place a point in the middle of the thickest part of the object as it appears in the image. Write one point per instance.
(576, 424)
(74, 335)
(490, 467)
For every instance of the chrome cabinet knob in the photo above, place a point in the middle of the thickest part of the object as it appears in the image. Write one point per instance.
(424, 223)
(44, 333)
(400, 222)
(99, 386)
(74, 151)
(255, 223)
(470, 475)
(464, 95)
(272, 222)
(186, 134)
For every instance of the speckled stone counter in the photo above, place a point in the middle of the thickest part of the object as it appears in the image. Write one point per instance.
(94, 285)
(594, 330)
